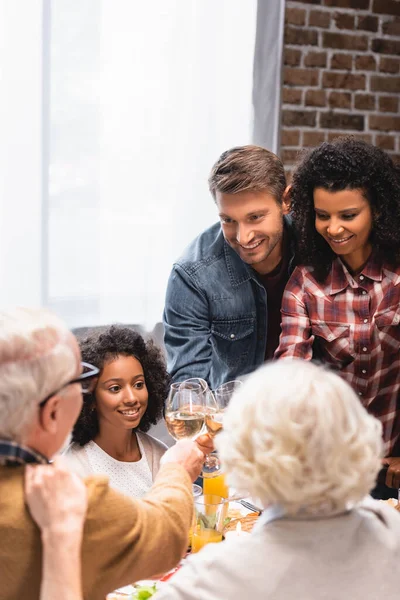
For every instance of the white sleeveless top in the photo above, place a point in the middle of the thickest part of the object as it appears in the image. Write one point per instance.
(129, 478)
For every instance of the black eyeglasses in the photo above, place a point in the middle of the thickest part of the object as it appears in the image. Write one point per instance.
(89, 372)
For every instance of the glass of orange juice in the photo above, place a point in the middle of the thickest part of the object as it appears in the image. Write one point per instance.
(210, 513)
(197, 491)
(214, 483)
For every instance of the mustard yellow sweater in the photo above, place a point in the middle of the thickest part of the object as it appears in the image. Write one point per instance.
(124, 539)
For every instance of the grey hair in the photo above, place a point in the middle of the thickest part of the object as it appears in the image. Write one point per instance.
(36, 359)
(296, 434)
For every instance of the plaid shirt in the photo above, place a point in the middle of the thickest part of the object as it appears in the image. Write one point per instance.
(353, 325)
(13, 454)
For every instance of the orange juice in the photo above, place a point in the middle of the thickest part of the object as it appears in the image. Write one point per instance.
(215, 485)
(190, 536)
(201, 537)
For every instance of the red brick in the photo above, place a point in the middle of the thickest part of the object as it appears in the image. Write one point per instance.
(389, 65)
(299, 118)
(290, 137)
(395, 158)
(313, 138)
(367, 23)
(364, 101)
(365, 62)
(344, 20)
(340, 100)
(384, 123)
(391, 27)
(289, 157)
(363, 4)
(292, 57)
(300, 37)
(387, 7)
(389, 104)
(303, 77)
(386, 46)
(295, 16)
(315, 98)
(331, 120)
(344, 41)
(360, 136)
(315, 59)
(386, 142)
(341, 61)
(382, 83)
(318, 18)
(291, 96)
(346, 81)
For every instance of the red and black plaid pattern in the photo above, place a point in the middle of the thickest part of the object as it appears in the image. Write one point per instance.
(351, 324)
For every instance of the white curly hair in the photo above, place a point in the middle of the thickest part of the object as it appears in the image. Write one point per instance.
(296, 434)
(36, 358)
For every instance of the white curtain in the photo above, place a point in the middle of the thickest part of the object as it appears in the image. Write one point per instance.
(144, 98)
(112, 113)
(22, 274)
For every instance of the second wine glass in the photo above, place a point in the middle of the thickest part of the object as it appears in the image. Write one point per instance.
(214, 418)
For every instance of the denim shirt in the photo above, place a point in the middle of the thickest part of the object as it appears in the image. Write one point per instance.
(215, 315)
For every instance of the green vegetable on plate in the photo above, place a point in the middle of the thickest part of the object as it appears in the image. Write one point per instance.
(143, 592)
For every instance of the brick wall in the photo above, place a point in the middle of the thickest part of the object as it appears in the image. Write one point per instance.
(341, 74)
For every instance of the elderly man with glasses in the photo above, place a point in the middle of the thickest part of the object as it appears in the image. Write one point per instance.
(41, 385)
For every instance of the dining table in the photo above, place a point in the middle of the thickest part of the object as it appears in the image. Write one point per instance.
(137, 590)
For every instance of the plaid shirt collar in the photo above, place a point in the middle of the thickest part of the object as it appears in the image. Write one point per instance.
(341, 276)
(13, 454)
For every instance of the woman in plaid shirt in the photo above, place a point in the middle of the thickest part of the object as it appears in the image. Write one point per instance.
(342, 306)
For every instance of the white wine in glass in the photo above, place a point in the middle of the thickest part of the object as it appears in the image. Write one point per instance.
(222, 396)
(214, 418)
(184, 424)
(214, 422)
(185, 410)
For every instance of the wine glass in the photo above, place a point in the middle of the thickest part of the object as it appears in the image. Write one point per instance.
(211, 462)
(214, 417)
(185, 410)
(224, 393)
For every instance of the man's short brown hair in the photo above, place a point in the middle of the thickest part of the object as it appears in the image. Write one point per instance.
(248, 168)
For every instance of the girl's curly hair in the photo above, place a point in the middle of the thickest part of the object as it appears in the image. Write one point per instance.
(346, 163)
(109, 343)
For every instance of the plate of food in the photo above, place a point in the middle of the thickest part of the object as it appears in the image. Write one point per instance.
(142, 590)
(393, 502)
(241, 524)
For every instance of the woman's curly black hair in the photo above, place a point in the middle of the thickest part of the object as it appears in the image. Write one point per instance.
(101, 346)
(346, 163)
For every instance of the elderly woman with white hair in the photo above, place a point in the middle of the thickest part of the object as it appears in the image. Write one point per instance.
(297, 439)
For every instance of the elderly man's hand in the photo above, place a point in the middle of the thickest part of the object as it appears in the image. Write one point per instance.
(187, 454)
(56, 498)
(393, 472)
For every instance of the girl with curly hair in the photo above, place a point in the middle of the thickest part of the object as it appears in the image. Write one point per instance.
(110, 436)
(342, 305)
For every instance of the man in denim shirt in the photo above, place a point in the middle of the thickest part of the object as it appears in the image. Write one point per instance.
(222, 308)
